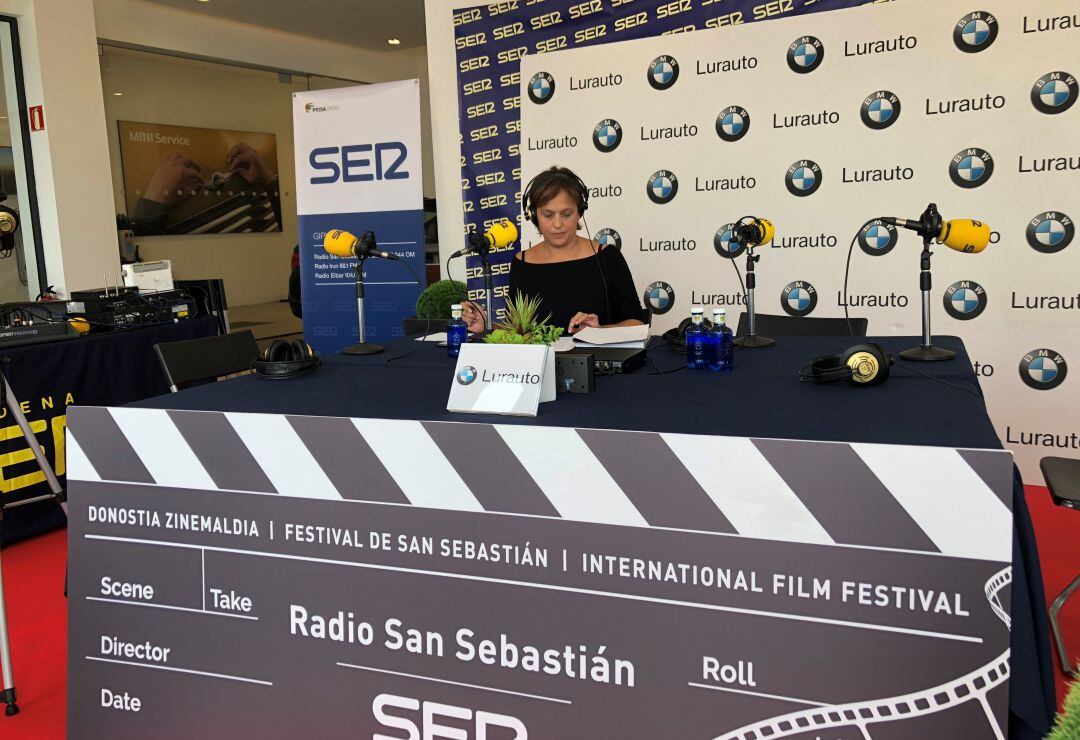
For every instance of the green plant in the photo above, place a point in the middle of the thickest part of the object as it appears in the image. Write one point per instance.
(520, 326)
(435, 301)
(1067, 726)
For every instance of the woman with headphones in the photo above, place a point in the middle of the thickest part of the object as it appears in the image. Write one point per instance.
(578, 281)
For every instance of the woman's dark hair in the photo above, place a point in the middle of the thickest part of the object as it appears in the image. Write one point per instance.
(548, 184)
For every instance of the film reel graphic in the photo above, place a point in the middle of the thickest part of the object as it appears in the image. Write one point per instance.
(973, 686)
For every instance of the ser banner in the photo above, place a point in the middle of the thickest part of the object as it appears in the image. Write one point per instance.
(491, 39)
(358, 169)
(385, 585)
(822, 123)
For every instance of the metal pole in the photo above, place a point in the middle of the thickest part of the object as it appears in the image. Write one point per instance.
(8, 695)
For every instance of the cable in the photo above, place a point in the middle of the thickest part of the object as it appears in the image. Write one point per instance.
(977, 394)
(603, 280)
(427, 323)
(847, 272)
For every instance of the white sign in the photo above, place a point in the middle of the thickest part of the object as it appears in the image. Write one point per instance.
(502, 379)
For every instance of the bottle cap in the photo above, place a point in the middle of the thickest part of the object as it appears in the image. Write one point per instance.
(455, 307)
(697, 309)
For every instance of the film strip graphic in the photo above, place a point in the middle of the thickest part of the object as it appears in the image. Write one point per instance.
(914, 499)
(973, 686)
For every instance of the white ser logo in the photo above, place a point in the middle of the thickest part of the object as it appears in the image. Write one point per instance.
(430, 715)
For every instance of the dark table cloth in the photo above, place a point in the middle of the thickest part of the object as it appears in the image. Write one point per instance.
(763, 397)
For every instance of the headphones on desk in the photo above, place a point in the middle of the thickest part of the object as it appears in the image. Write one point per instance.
(283, 360)
(548, 176)
(860, 365)
(675, 339)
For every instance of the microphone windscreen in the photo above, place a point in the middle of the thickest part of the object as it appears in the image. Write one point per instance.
(339, 243)
(502, 234)
(965, 235)
(768, 231)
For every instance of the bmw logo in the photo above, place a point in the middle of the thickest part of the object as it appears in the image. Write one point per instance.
(541, 88)
(663, 72)
(1050, 232)
(878, 238)
(733, 123)
(880, 109)
(798, 298)
(805, 54)
(662, 186)
(1054, 92)
(659, 297)
(970, 168)
(726, 244)
(803, 178)
(964, 300)
(975, 32)
(609, 238)
(1043, 369)
(607, 135)
(466, 375)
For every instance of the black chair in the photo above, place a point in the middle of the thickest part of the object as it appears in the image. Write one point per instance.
(1063, 479)
(771, 325)
(193, 360)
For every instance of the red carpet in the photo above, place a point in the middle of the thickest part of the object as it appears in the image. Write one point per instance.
(34, 584)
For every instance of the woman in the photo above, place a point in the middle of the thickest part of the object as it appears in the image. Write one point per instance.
(578, 281)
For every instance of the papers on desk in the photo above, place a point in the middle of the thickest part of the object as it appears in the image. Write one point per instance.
(438, 336)
(564, 344)
(632, 337)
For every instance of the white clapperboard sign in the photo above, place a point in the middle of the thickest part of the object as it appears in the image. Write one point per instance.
(249, 575)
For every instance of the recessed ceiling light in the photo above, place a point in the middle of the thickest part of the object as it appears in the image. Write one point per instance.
(393, 42)
(118, 94)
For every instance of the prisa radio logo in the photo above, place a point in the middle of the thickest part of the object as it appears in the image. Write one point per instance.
(359, 162)
(312, 108)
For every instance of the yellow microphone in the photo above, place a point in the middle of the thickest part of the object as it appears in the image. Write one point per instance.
(964, 235)
(754, 231)
(343, 244)
(499, 235)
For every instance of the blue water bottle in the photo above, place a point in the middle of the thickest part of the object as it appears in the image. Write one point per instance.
(456, 331)
(723, 358)
(697, 339)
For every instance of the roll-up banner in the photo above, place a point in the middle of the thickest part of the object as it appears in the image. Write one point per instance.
(358, 169)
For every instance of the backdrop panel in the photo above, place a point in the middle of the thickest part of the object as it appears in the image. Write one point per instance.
(358, 169)
(822, 124)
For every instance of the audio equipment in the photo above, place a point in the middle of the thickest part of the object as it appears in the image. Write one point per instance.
(860, 365)
(611, 360)
(575, 373)
(754, 231)
(554, 174)
(125, 307)
(501, 234)
(750, 232)
(209, 295)
(675, 339)
(963, 235)
(343, 244)
(9, 224)
(35, 333)
(283, 360)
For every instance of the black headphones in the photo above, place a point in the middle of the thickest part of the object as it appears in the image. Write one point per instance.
(554, 174)
(675, 339)
(861, 365)
(283, 360)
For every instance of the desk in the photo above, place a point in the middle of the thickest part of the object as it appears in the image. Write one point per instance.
(762, 398)
(98, 369)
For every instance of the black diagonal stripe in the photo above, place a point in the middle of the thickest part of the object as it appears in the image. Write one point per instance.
(491, 471)
(843, 494)
(655, 480)
(221, 451)
(996, 470)
(347, 459)
(105, 446)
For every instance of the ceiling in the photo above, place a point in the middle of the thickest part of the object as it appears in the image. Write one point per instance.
(363, 23)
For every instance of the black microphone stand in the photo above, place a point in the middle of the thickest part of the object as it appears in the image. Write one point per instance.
(365, 247)
(929, 227)
(751, 340)
(480, 245)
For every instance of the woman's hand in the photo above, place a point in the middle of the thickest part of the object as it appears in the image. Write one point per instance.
(473, 315)
(582, 320)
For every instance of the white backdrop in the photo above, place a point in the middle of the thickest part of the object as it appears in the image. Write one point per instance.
(964, 85)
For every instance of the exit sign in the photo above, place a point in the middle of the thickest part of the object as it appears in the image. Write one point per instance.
(37, 118)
